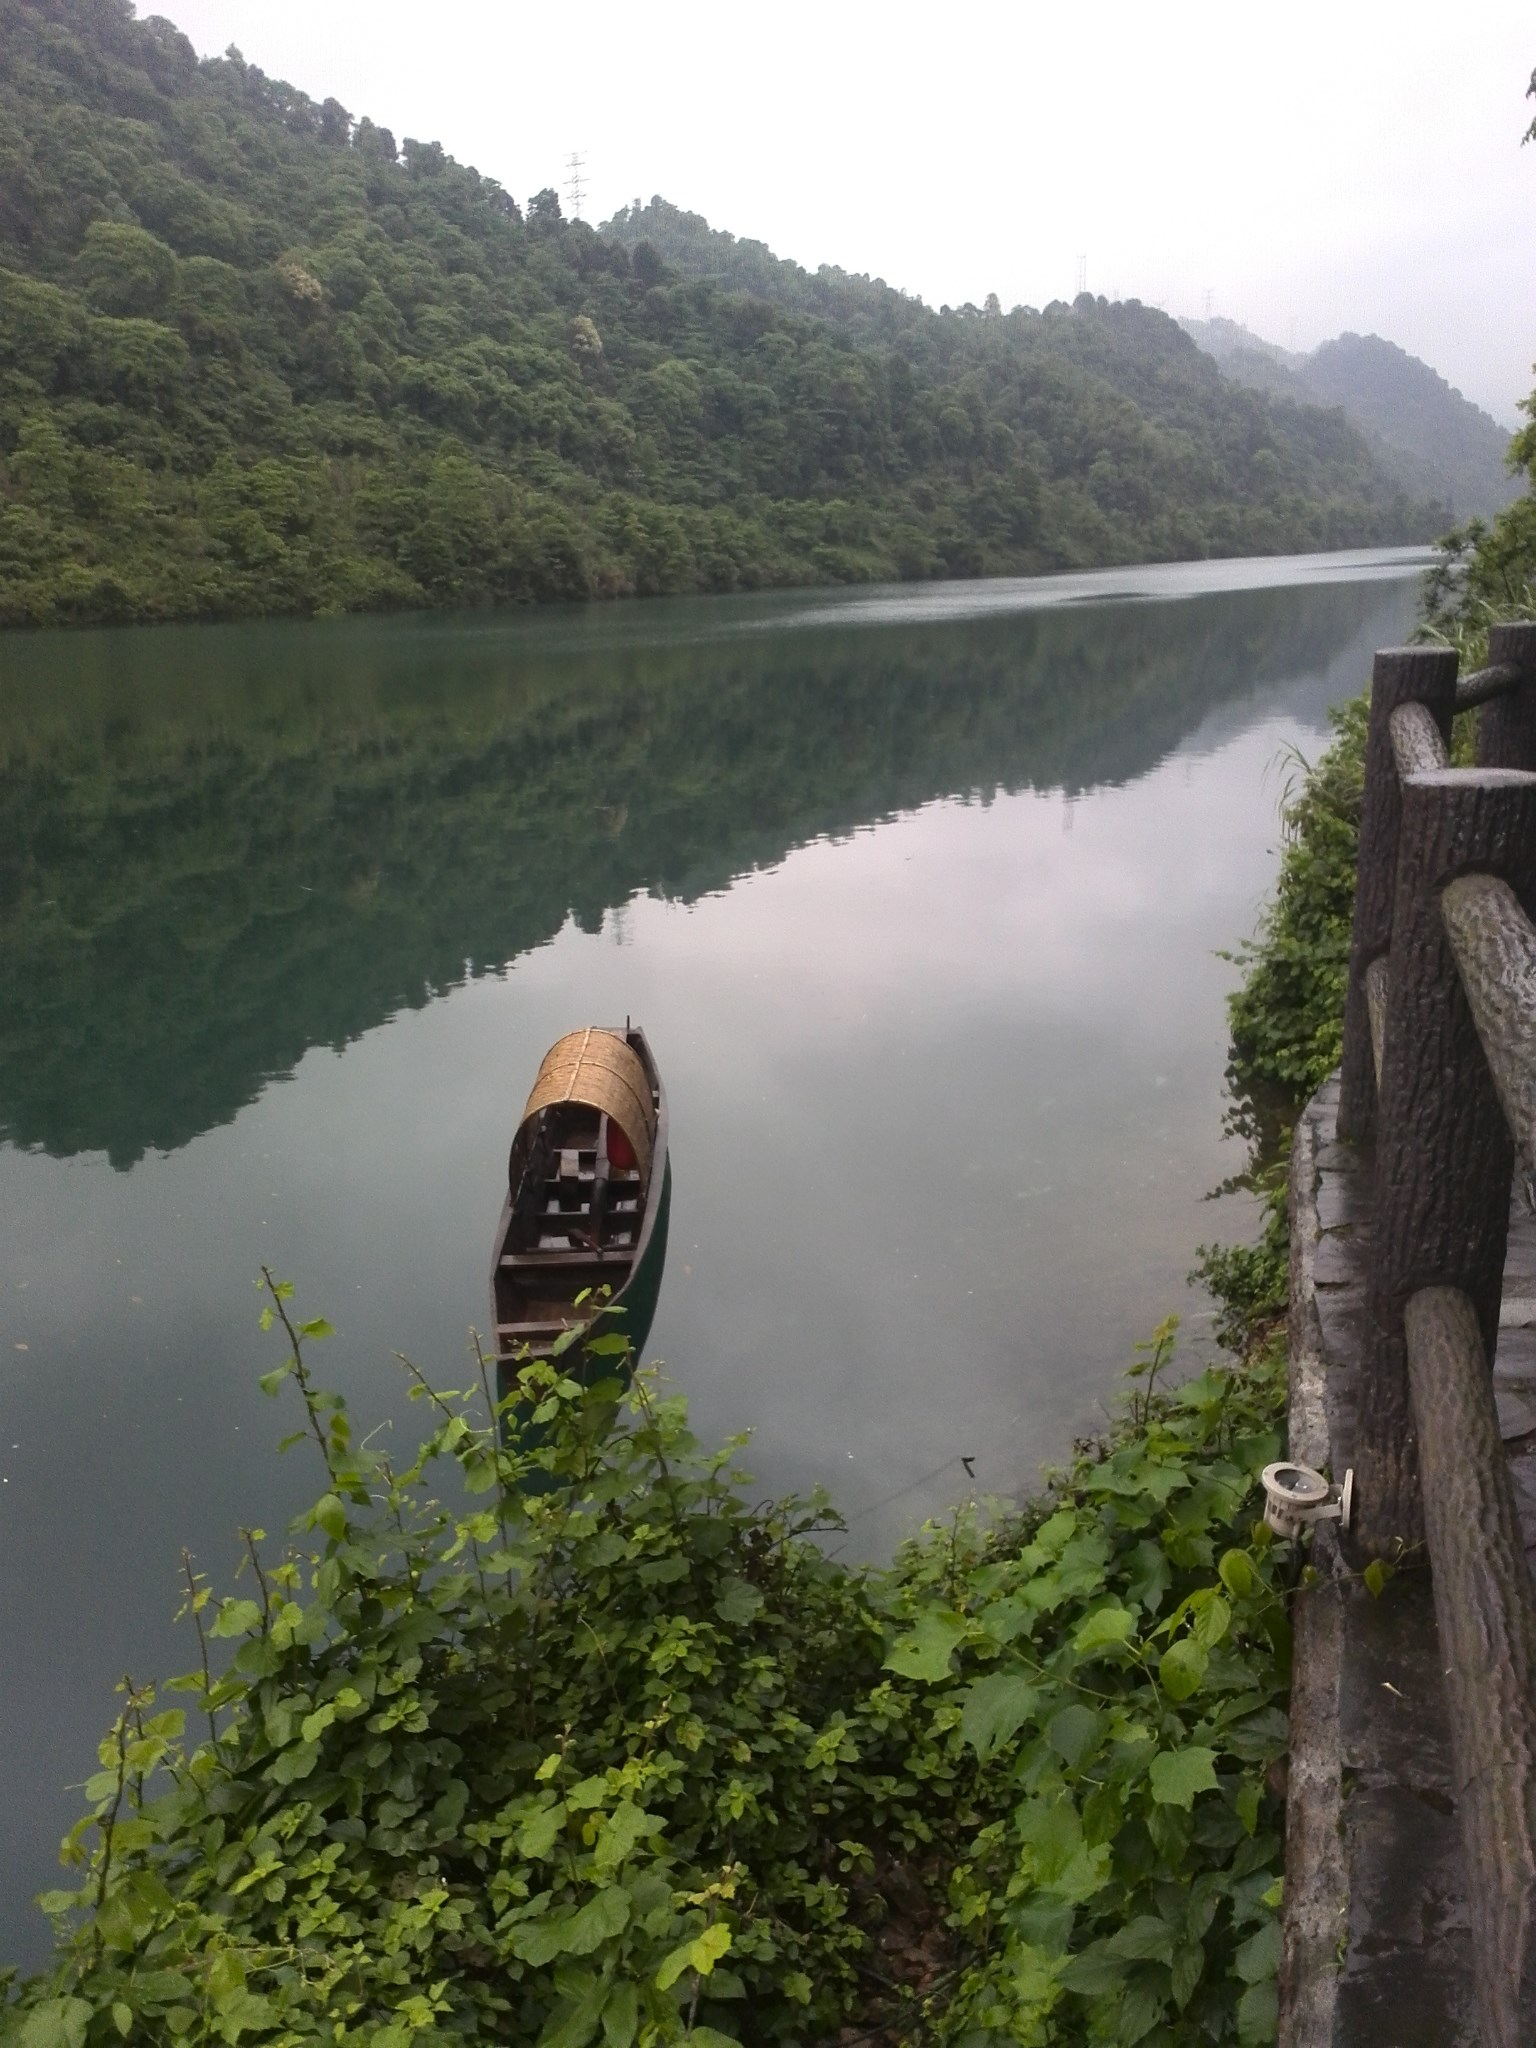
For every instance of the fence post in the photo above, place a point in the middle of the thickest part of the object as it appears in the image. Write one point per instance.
(1506, 726)
(1487, 1633)
(1444, 1154)
(1400, 675)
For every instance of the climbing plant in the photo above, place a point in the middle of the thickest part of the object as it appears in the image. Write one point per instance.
(552, 1736)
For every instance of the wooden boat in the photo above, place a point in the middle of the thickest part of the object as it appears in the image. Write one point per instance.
(589, 1186)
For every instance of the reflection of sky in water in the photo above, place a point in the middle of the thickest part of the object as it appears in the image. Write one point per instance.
(1152, 581)
(946, 1100)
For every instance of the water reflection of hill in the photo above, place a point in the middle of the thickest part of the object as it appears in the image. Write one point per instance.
(221, 847)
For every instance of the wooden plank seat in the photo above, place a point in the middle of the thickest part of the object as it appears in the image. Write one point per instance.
(578, 1255)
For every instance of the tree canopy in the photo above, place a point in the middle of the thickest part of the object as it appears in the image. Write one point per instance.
(257, 357)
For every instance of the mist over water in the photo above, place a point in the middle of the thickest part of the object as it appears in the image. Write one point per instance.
(918, 893)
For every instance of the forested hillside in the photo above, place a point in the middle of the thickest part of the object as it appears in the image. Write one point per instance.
(256, 358)
(1435, 442)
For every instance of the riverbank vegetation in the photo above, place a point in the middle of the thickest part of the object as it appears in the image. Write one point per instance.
(257, 358)
(1287, 1013)
(598, 1751)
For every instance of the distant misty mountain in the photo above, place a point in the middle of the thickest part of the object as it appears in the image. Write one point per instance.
(1436, 443)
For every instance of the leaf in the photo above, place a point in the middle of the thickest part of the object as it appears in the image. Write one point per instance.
(329, 1514)
(1182, 1668)
(625, 1827)
(226, 1975)
(1110, 1629)
(1146, 1939)
(540, 1831)
(1150, 1576)
(1005, 1619)
(1064, 1864)
(236, 1618)
(1237, 1574)
(1213, 1617)
(673, 1966)
(711, 2037)
(540, 1941)
(316, 1327)
(924, 1652)
(1141, 2006)
(996, 1707)
(1074, 1733)
(56, 2023)
(122, 2017)
(1093, 1972)
(621, 2015)
(599, 1920)
(738, 1602)
(1188, 1969)
(241, 2011)
(711, 1945)
(1258, 2015)
(701, 1954)
(1178, 1774)
(1258, 1959)
(1247, 1805)
(1376, 1575)
(1258, 1737)
(573, 2025)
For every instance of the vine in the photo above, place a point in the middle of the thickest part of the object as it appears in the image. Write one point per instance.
(582, 1747)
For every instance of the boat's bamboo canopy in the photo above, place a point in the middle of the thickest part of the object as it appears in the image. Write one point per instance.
(599, 1069)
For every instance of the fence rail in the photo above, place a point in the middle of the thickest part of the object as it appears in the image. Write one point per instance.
(1440, 1069)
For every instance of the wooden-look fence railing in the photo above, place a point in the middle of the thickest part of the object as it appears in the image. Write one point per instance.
(1440, 1069)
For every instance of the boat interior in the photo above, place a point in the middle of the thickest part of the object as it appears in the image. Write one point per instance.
(573, 1224)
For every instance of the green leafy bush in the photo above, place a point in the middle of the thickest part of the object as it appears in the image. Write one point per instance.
(1287, 1014)
(599, 1752)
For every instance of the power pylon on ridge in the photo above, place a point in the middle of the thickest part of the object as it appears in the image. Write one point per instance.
(1082, 275)
(575, 188)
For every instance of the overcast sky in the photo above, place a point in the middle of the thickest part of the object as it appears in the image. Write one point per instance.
(1328, 165)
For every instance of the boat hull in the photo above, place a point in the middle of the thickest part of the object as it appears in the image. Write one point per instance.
(636, 1283)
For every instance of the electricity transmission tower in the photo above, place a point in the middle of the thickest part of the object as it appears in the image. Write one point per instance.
(1082, 275)
(575, 188)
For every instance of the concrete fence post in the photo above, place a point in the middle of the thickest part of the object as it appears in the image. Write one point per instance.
(1444, 1154)
(1400, 675)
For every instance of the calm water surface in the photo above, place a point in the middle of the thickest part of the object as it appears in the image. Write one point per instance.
(917, 892)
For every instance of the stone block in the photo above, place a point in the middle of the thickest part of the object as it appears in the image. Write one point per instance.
(1340, 1260)
(1342, 1201)
(1393, 1722)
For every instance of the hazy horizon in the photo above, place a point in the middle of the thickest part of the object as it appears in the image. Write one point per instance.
(1345, 176)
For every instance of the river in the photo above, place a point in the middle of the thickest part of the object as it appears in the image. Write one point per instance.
(919, 893)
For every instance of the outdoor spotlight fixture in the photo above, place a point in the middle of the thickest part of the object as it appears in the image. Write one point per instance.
(1295, 1496)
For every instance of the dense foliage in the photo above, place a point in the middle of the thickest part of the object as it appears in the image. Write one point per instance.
(1432, 440)
(257, 358)
(1287, 1013)
(1287, 1016)
(602, 1752)
(1488, 572)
